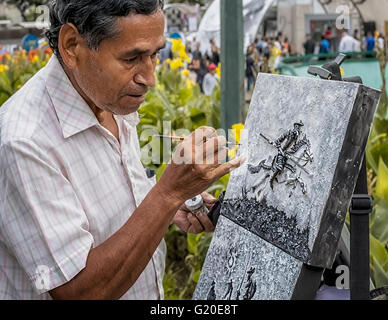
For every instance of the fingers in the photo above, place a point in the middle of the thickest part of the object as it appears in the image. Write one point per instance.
(199, 223)
(214, 151)
(196, 227)
(194, 150)
(201, 135)
(228, 167)
(205, 222)
(208, 198)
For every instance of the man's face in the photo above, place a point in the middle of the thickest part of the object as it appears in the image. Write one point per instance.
(117, 76)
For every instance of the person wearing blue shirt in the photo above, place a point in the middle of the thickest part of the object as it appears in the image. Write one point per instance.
(370, 42)
(325, 46)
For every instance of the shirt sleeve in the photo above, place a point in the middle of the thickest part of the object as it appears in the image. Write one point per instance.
(42, 222)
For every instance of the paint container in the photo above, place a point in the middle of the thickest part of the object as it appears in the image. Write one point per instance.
(196, 205)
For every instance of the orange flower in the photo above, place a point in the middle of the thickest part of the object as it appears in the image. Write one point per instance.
(32, 54)
(48, 51)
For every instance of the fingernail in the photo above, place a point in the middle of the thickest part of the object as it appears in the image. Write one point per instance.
(239, 160)
(235, 161)
(243, 159)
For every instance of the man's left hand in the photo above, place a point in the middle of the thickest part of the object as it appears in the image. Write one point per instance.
(190, 223)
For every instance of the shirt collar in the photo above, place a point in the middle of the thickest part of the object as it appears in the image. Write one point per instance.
(132, 119)
(73, 112)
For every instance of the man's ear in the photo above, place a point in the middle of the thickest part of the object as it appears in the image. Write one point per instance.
(70, 43)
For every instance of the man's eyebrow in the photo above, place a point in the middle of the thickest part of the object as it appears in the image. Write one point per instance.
(138, 51)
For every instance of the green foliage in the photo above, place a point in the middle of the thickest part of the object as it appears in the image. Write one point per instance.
(17, 69)
(377, 159)
(175, 101)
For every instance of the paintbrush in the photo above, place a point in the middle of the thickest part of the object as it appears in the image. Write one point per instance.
(183, 138)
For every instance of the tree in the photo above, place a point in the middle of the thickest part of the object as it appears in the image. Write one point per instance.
(25, 6)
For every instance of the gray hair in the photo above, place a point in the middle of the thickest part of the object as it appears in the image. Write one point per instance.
(94, 20)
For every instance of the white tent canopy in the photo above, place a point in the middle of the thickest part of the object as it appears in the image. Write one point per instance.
(210, 27)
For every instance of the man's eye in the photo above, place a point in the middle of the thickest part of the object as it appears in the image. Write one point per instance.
(131, 59)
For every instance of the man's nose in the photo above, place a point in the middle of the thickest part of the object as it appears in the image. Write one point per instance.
(145, 74)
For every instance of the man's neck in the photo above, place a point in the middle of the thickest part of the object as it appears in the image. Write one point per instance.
(105, 118)
(99, 113)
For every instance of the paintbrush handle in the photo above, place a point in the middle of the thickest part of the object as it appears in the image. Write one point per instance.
(183, 138)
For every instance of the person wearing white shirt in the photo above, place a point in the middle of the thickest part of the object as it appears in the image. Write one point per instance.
(211, 80)
(381, 42)
(348, 43)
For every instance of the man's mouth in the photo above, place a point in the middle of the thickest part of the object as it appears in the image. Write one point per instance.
(136, 95)
(137, 98)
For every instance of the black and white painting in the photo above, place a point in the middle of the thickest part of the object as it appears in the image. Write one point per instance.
(304, 141)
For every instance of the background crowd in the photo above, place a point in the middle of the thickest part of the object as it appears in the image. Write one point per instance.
(265, 54)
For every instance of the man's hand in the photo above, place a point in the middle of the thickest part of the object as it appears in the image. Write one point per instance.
(198, 162)
(187, 222)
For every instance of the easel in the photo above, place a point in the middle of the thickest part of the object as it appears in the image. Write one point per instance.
(357, 251)
(354, 248)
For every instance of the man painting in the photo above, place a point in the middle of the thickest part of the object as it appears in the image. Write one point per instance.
(79, 219)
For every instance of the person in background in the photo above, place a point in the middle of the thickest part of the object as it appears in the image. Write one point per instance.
(381, 41)
(251, 70)
(255, 53)
(286, 48)
(309, 45)
(347, 43)
(198, 64)
(329, 37)
(210, 80)
(214, 56)
(265, 48)
(259, 46)
(370, 42)
(325, 46)
(279, 37)
(166, 52)
(197, 54)
(356, 35)
(278, 43)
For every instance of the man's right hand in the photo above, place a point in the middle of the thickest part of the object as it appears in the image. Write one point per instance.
(199, 161)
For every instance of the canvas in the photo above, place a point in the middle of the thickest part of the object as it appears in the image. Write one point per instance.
(304, 141)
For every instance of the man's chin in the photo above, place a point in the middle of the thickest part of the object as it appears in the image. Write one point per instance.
(125, 110)
(126, 106)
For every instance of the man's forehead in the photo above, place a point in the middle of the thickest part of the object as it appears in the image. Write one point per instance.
(141, 32)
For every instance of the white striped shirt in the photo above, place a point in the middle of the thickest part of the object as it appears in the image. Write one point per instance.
(66, 186)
